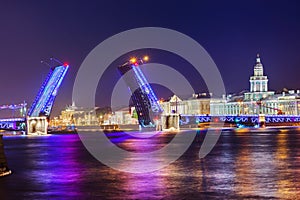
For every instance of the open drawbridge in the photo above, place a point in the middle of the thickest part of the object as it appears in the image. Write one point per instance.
(36, 120)
(43, 102)
(143, 97)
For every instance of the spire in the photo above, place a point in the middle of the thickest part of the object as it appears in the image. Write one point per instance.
(258, 82)
(257, 59)
(258, 67)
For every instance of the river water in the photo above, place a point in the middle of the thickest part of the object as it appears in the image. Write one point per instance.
(253, 165)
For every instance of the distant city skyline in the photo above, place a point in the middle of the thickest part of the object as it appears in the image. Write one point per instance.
(232, 32)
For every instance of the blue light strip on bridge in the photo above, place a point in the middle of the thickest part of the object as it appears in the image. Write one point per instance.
(13, 120)
(40, 92)
(146, 87)
(48, 91)
(190, 119)
(49, 104)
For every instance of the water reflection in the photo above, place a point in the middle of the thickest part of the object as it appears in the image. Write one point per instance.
(144, 186)
(285, 177)
(254, 167)
(242, 165)
(263, 166)
(46, 166)
(63, 172)
(242, 170)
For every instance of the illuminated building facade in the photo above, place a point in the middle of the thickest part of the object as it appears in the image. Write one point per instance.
(259, 100)
(74, 115)
(191, 106)
(258, 83)
(279, 104)
(124, 116)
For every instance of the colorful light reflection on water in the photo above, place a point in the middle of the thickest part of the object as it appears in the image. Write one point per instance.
(242, 165)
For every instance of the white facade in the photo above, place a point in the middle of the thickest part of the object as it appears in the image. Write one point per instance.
(73, 115)
(187, 107)
(258, 83)
(278, 105)
(259, 100)
(123, 116)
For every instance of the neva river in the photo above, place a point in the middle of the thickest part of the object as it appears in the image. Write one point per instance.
(242, 165)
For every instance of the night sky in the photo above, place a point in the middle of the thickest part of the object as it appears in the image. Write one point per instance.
(232, 32)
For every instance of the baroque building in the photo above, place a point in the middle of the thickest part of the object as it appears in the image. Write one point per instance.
(198, 104)
(258, 83)
(259, 100)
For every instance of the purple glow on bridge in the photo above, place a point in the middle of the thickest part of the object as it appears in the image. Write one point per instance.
(195, 119)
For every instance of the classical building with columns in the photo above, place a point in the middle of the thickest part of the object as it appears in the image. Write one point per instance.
(258, 84)
(198, 104)
(259, 100)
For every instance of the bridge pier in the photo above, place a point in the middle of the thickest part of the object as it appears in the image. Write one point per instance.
(37, 125)
(170, 122)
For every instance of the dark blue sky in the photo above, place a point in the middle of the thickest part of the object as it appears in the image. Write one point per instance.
(231, 31)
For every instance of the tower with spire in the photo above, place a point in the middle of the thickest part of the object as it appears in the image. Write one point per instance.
(258, 83)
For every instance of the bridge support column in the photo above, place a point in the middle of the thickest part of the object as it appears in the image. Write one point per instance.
(170, 122)
(37, 125)
(262, 120)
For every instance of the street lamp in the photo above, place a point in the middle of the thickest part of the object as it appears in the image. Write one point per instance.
(146, 58)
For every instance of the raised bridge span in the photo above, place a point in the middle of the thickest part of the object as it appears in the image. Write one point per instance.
(40, 110)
